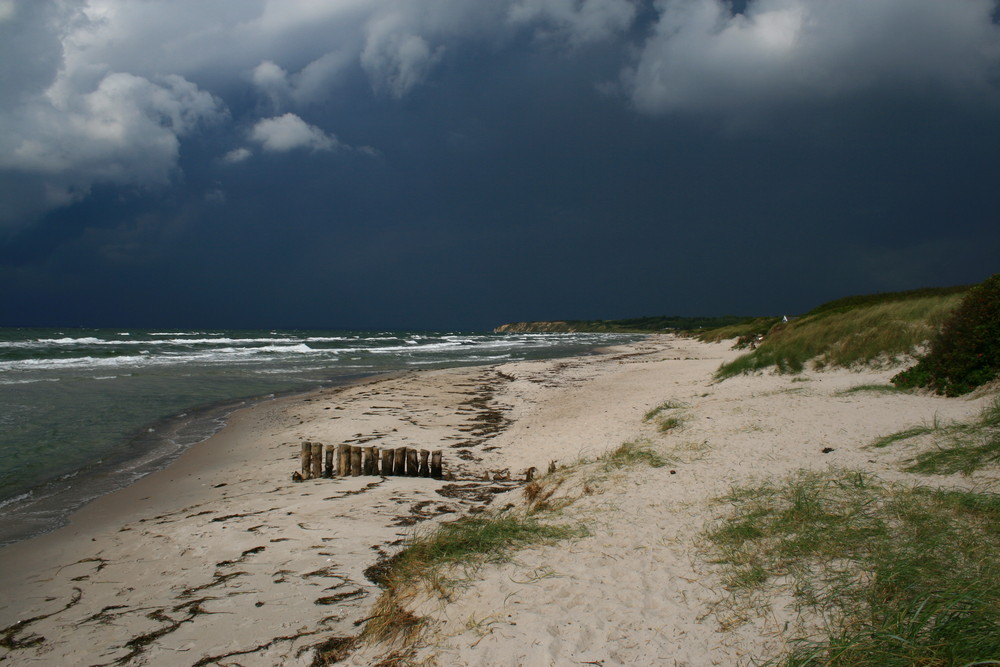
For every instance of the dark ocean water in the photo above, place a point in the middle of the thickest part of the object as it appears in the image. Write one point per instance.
(86, 411)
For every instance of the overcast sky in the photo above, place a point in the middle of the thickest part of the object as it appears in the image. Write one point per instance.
(444, 164)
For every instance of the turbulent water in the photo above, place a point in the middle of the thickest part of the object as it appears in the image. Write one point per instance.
(83, 412)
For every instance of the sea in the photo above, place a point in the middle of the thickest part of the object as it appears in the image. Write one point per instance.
(86, 411)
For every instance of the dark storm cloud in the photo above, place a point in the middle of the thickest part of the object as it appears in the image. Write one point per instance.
(454, 163)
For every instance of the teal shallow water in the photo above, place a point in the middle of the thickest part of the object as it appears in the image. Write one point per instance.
(85, 411)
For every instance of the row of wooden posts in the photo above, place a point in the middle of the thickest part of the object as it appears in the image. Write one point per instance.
(318, 461)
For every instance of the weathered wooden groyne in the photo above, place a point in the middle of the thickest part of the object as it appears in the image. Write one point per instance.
(319, 460)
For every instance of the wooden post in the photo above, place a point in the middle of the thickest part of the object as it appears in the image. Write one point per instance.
(387, 461)
(305, 459)
(411, 463)
(344, 460)
(328, 451)
(366, 460)
(399, 466)
(373, 460)
(425, 470)
(355, 461)
(436, 467)
(317, 460)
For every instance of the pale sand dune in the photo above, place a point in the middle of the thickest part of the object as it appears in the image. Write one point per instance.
(222, 559)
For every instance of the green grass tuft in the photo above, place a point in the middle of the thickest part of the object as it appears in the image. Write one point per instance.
(957, 448)
(478, 539)
(669, 424)
(470, 542)
(900, 436)
(662, 407)
(634, 453)
(898, 576)
(871, 388)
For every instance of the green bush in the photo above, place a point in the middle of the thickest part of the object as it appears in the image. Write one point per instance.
(966, 352)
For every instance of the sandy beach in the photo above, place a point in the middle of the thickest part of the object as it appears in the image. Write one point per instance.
(221, 559)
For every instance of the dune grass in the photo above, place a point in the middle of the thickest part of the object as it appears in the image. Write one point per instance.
(745, 329)
(848, 336)
(468, 543)
(870, 388)
(895, 575)
(955, 448)
(662, 407)
(665, 423)
(634, 453)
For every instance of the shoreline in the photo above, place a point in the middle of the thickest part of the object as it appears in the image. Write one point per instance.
(70, 454)
(159, 445)
(196, 526)
(221, 555)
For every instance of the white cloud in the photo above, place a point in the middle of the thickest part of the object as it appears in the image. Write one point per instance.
(237, 155)
(7, 10)
(310, 84)
(127, 131)
(289, 132)
(395, 58)
(71, 124)
(702, 56)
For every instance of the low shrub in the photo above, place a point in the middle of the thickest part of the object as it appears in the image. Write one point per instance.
(966, 352)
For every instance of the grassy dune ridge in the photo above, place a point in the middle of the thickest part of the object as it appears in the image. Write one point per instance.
(859, 330)
(880, 572)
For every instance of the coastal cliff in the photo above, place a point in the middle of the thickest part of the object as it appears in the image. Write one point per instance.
(537, 327)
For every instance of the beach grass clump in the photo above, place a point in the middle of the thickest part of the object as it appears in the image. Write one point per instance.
(669, 424)
(665, 423)
(871, 389)
(965, 354)
(874, 331)
(963, 447)
(633, 453)
(891, 575)
(662, 407)
(744, 331)
(467, 543)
